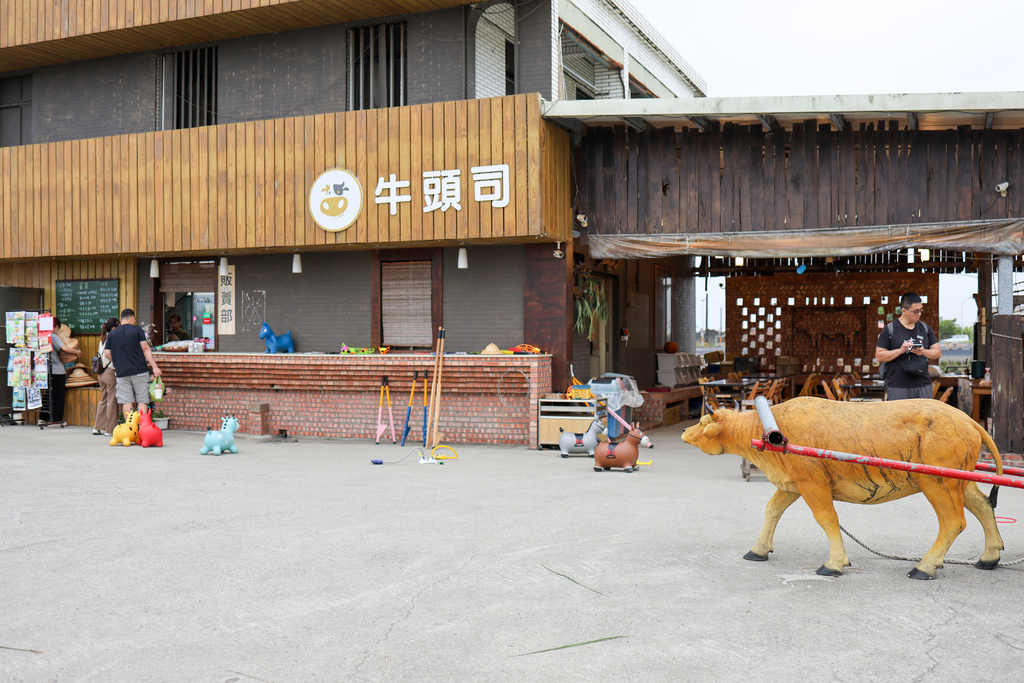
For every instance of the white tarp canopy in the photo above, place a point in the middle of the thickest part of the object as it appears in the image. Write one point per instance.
(1004, 237)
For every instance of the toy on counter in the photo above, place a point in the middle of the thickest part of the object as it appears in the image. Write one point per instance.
(579, 444)
(277, 343)
(222, 441)
(127, 432)
(623, 454)
(149, 433)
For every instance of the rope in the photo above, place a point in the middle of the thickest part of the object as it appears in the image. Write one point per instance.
(918, 559)
(529, 387)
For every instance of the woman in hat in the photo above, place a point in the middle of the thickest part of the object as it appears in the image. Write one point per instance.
(58, 373)
(106, 409)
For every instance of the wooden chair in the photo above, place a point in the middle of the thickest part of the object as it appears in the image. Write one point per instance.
(810, 387)
(828, 392)
(935, 389)
(945, 395)
(748, 402)
(774, 393)
(840, 392)
(711, 397)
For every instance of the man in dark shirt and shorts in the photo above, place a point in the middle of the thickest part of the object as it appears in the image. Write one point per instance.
(907, 335)
(127, 347)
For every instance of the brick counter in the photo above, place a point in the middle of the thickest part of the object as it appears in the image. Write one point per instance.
(484, 399)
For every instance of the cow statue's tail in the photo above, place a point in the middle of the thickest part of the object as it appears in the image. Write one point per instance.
(993, 495)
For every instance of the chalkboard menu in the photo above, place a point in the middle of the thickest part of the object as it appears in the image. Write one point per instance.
(84, 305)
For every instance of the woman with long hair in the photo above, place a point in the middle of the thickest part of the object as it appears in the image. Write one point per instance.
(106, 409)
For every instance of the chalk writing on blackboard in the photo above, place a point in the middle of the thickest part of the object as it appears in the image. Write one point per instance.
(84, 305)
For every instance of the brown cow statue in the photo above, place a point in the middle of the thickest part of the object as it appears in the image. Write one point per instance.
(921, 431)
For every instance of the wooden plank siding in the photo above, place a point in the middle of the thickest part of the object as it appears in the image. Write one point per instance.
(738, 178)
(35, 33)
(244, 186)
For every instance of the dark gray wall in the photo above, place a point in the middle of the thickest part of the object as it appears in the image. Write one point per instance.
(437, 56)
(294, 73)
(324, 306)
(100, 97)
(483, 303)
(533, 49)
(297, 73)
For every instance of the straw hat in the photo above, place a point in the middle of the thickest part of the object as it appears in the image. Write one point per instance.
(491, 350)
(69, 343)
(80, 377)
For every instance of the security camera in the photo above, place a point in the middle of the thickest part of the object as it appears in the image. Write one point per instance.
(1001, 188)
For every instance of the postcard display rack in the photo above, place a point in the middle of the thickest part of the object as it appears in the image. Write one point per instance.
(28, 365)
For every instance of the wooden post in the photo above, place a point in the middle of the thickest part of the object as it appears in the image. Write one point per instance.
(1007, 367)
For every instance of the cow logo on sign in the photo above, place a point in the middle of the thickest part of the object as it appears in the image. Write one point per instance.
(335, 200)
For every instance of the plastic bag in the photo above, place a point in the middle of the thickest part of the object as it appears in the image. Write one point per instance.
(156, 389)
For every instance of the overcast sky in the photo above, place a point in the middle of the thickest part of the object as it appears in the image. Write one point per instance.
(747, 48)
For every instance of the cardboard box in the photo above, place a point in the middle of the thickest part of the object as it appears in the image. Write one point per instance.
(714, 356)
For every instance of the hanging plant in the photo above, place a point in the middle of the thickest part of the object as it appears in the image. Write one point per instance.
(589, 301)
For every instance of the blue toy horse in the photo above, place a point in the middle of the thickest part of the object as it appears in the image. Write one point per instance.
(277, 343)
(222, 441)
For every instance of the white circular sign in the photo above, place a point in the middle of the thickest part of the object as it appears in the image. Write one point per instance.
(335, 199)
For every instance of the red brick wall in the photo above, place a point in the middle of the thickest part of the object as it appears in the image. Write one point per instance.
(819, 318)
(484, 399)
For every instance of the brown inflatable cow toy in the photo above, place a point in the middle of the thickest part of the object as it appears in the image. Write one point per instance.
(623, 454)
(919, 431)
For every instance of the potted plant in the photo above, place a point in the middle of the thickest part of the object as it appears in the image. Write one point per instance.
(588, 299)
(160, 419)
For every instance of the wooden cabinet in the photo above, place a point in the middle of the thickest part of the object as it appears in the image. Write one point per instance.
(572, 415)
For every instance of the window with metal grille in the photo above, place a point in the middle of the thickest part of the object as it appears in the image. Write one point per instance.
(405, 301)
(15, 111)
(376, 66)
(189, 87)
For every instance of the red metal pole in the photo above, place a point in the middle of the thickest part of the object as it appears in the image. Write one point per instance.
(914, 467)
(988, 467)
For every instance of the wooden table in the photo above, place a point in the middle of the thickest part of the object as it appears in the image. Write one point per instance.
(977, 391)
(870, 387)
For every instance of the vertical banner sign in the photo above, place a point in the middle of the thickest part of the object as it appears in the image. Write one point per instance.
(226, 298)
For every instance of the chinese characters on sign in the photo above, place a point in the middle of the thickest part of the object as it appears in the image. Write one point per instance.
(226, 299)
(443, 189)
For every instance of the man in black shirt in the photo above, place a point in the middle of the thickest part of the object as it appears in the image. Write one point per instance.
(905, 346)
(127, 347)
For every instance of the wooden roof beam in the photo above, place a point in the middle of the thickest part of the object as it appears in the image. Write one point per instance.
(768, 122)
(989, 119)
(838, 121)
(702, 122)
(912, 121)
(636, 123)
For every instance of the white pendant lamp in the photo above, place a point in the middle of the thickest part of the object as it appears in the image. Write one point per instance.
(223, 270)
(154, 269)
(463, 258)
(296, 263)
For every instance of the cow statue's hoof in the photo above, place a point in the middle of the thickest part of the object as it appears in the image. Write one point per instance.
(825, 571)
(754, 557)
(983, 564)
(916, 573)
(598, 469)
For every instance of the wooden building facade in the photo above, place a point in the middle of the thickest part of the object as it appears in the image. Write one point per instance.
(816, 209)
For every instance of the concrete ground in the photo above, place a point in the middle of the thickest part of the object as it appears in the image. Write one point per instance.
(302, 561)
